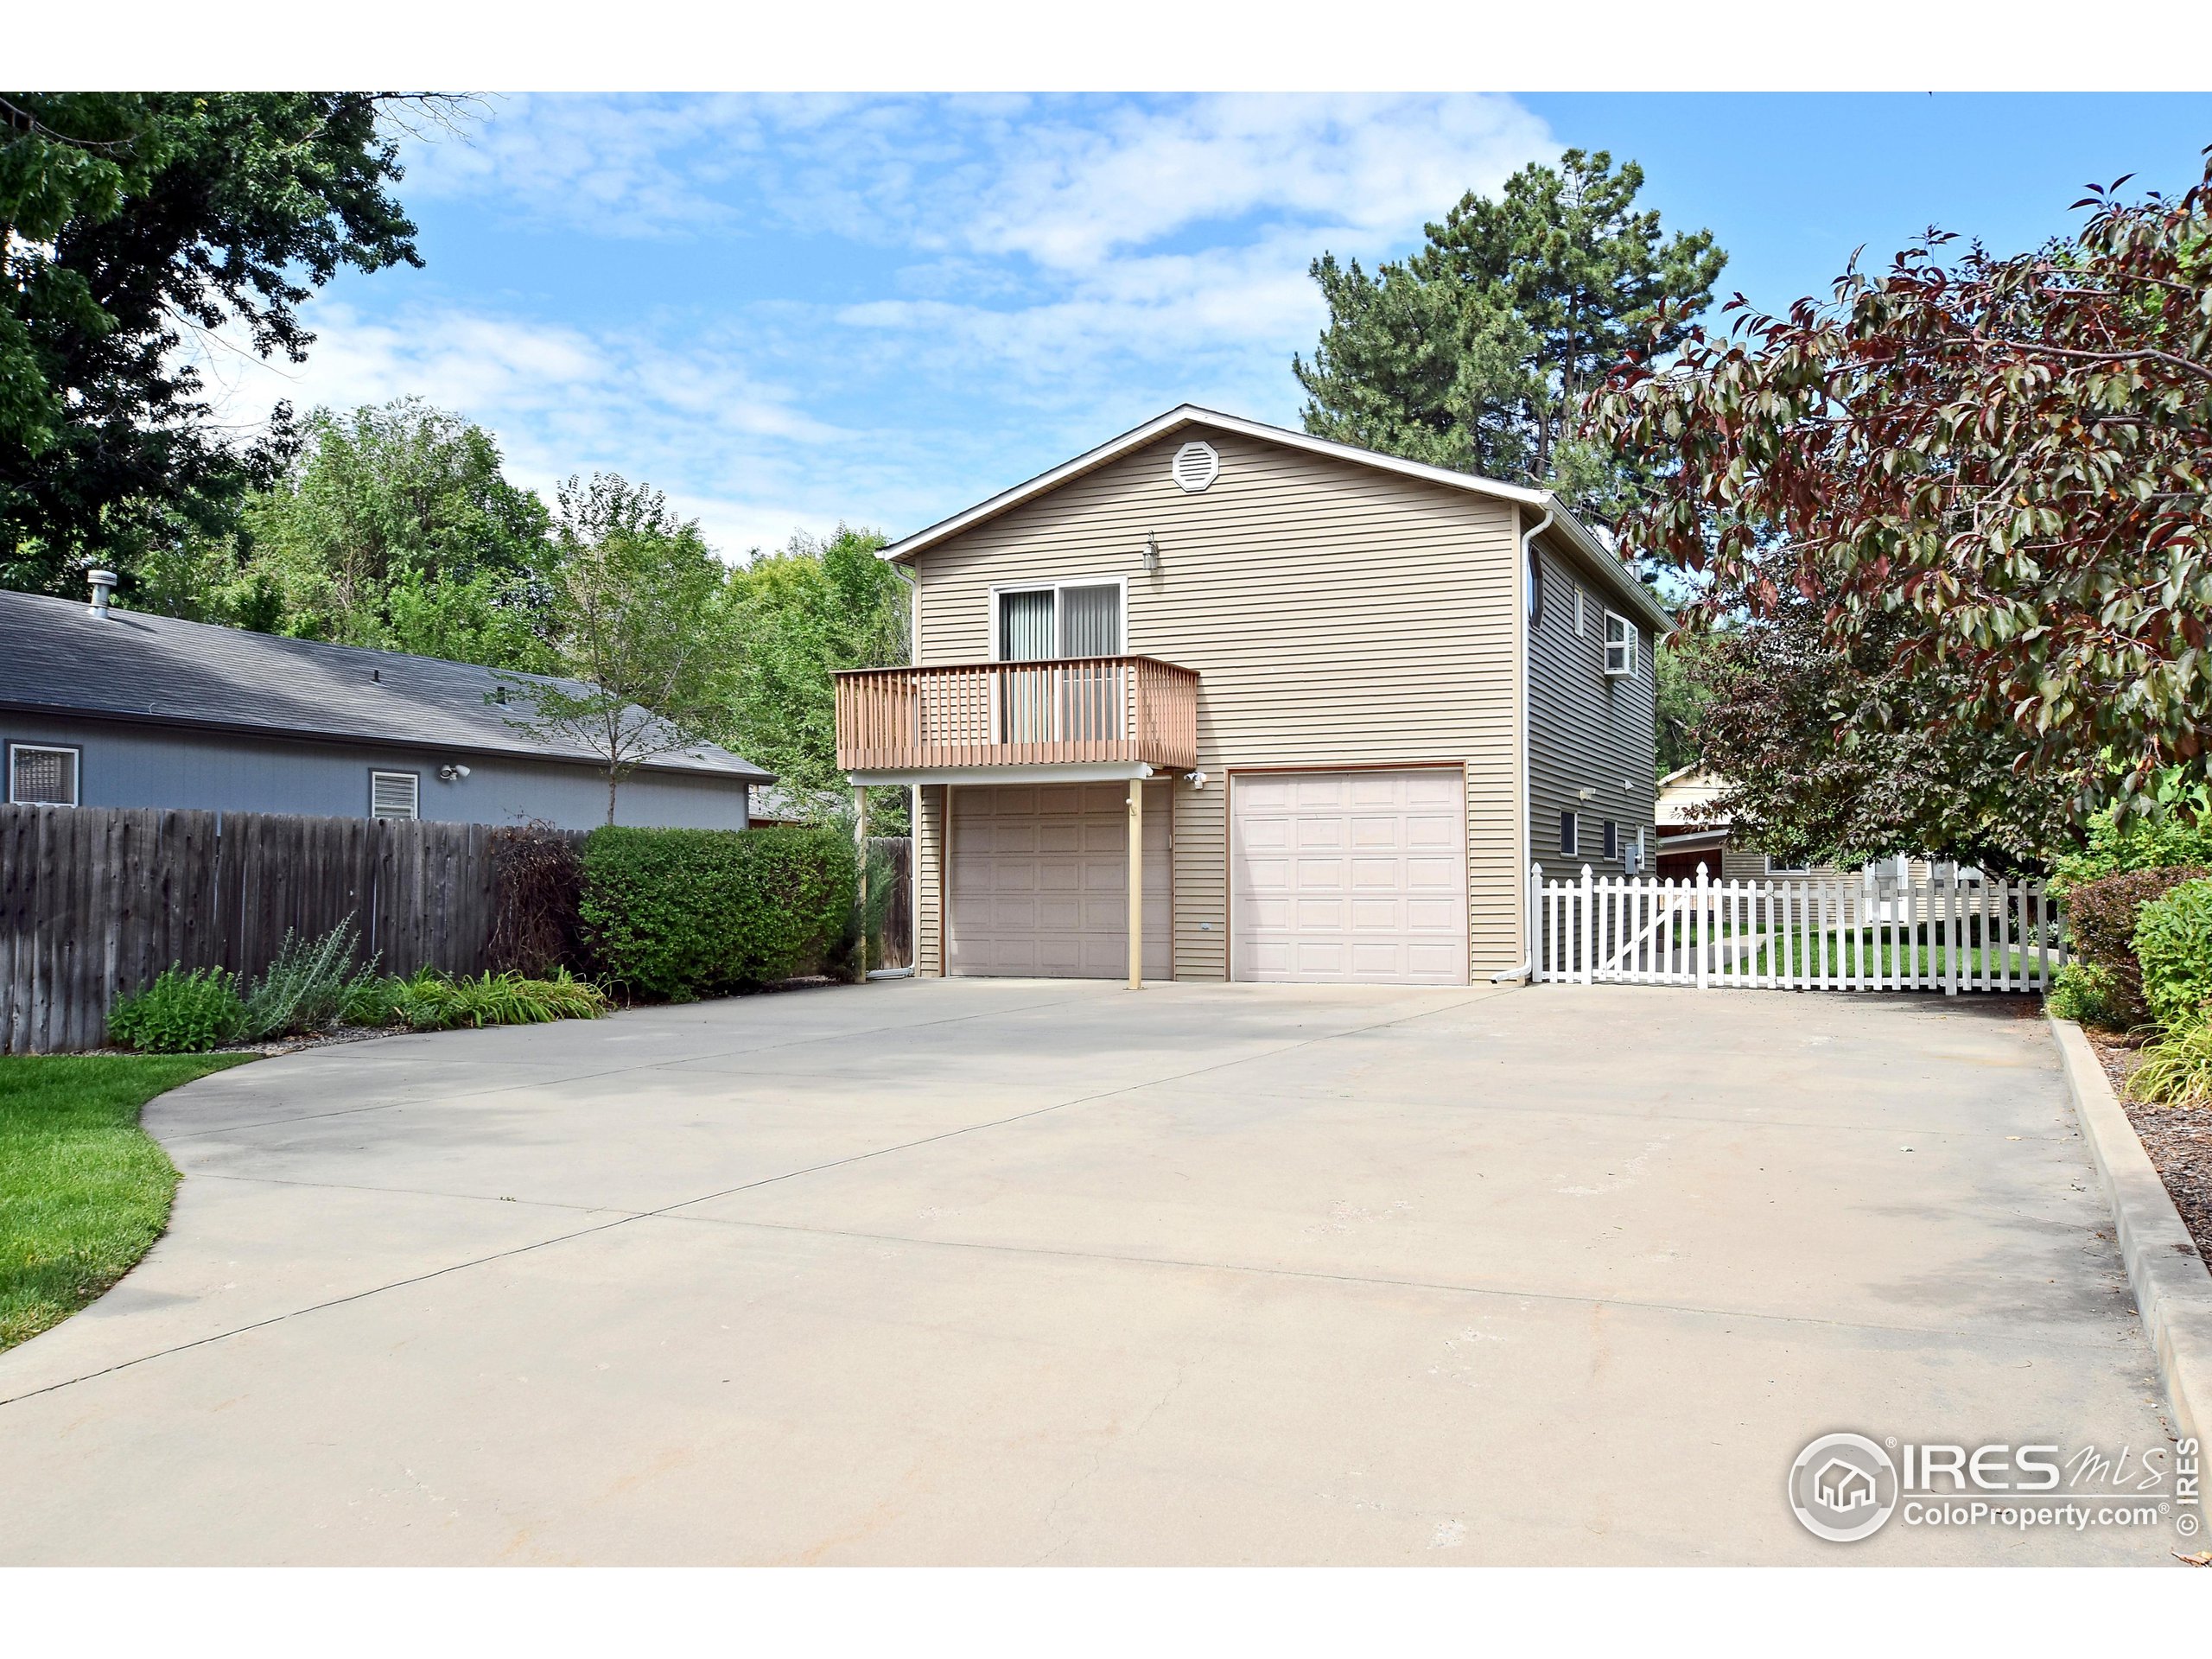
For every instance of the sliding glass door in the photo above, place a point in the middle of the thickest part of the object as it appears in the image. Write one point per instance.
(1076, 698)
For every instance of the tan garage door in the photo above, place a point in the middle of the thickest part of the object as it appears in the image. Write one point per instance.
(1349, 877)
(1039, 882)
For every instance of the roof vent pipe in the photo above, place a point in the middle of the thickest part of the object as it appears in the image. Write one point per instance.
(103, 588)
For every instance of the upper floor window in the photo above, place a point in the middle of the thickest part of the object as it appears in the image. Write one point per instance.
(1620, 644)
(1057, 619)
(393, 794)
(42, 774)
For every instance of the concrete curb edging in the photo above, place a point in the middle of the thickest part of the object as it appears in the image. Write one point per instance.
(2172, 1290)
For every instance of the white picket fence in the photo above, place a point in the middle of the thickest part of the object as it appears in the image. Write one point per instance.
(1846, 933)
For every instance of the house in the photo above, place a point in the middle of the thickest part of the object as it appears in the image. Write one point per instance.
(1321, 707)
(100, 707)
(1687, 837)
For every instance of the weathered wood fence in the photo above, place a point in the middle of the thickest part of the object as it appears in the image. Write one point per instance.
(1850, 933)
(893, 944)
(96, 901)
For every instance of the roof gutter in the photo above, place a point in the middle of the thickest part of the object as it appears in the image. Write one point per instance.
(1527, 965)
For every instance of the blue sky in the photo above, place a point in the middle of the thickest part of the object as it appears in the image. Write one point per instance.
(791, 310)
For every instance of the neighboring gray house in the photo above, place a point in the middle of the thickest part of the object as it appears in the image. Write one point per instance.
(106, 708)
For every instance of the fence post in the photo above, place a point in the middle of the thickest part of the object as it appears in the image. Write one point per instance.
(1704, 923)
(1589, 931)
(1951, 934)
(1534, 921)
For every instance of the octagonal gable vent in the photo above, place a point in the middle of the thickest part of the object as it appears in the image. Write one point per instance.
(1195, 465)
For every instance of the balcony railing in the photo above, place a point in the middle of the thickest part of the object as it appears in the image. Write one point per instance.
(1084, 709)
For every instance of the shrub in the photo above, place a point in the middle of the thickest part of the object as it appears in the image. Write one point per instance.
(2173, 947)
(2101, 917)
(427, 1000)
(676, 914)
(181, 1013)
(370, 1000)
(2176, 1071)
(538, 877)
(305, 985)
(2162, 842)
(2083, 990)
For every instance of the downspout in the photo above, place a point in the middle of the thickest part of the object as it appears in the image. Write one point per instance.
(1528, 759)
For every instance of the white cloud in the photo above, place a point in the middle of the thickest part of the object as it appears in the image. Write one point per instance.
(882, 308)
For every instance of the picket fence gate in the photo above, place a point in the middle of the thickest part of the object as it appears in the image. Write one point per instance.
(1839, 933)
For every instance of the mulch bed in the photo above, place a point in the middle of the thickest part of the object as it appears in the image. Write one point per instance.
(2178, 1139)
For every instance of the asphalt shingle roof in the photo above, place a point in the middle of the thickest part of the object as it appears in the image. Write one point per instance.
(55, 659)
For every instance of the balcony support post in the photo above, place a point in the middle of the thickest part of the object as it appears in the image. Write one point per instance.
(860, 846)
(1137, 884)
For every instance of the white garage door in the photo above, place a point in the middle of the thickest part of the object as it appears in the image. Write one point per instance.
(1349, 877)
(1039, 882)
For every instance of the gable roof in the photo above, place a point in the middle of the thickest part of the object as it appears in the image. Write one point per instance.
(1616, 576)
(158, 669)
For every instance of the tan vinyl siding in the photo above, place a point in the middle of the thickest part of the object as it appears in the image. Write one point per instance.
(929, 865)
(1337, 615)
(1587, 729)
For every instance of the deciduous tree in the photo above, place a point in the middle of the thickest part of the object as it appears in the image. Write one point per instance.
(1974, 484)
(132, 227)
(640, 632)
(801, 614)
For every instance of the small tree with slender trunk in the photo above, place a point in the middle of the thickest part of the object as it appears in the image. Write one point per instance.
(640, 628)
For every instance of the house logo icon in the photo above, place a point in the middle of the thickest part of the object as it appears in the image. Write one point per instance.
(1843, 1487)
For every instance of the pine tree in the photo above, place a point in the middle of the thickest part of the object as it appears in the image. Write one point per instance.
(1479, 352)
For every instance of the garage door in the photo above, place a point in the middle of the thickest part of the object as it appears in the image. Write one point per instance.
(1039, 882)
(1349, 877)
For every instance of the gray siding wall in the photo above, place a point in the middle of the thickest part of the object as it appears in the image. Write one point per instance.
(1586, 729)
(124, 765)
(1338, 616)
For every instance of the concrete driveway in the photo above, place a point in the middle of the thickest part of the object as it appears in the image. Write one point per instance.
(991, 1272)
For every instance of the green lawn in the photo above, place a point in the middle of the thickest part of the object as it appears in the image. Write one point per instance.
(84, 1191)
(1866, 958)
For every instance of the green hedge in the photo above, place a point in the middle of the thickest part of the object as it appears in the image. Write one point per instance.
(2173, 942)
(675, 914)
(2100, 922)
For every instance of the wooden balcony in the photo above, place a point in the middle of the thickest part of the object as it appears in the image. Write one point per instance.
(1079, 710)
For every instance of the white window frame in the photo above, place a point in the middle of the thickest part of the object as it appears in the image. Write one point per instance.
(1570, 834)
(1772, 868)
(76, 772)
(1627, 645)
(378, 774)
(1053, 586)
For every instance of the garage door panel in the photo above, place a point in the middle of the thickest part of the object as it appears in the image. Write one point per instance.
(1376, 877)
(1038, 879)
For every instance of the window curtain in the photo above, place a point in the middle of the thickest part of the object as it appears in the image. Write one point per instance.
(1026, 627)
(1091, 621)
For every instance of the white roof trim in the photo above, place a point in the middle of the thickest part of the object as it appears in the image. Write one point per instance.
(1614, 573)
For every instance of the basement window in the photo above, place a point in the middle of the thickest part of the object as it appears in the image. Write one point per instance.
(42, 774)
(394, 794)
